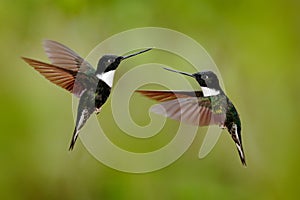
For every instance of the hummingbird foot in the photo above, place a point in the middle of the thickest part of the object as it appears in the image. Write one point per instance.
(97, 110)
(222, 126)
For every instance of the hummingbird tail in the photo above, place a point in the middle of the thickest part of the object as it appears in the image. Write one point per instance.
(241, 154)
(238, 143)
(84, 112)
(74, 138)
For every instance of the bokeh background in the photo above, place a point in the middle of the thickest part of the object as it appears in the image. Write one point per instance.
(256, 47)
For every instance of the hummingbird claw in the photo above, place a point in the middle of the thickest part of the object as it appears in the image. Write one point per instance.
(97, 110)
(222, 126)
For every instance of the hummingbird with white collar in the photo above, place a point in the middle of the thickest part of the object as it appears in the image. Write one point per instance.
(71, 72)
(211, 106)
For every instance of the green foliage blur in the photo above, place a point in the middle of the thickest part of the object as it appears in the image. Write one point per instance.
(254, 43)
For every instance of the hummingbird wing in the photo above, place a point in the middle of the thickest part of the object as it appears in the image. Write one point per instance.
(187, 106)
(64, 57)
(62, 77)
(65, 64)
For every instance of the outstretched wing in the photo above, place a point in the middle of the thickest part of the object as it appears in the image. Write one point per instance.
(62, 56)
(62, 77)
(165, 95)
(187, 106)
(64, 67)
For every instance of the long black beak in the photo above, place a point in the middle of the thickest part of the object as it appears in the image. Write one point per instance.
(134, 54)
(184, 73)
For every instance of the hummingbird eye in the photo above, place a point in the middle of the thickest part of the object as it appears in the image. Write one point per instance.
(205, 76)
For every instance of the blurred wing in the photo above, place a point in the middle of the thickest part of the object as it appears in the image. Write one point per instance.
(64, 57)
(62, 77)
(187, 106)
(165, 95)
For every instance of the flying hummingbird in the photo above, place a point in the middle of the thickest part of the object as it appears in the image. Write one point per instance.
(210, 106)
(71, 72)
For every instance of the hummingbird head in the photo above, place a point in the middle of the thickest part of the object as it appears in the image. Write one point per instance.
(208, 81)
(111, 62)
(108, 64)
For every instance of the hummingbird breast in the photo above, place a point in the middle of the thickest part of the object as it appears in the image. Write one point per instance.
(232, 117)
(101, 94)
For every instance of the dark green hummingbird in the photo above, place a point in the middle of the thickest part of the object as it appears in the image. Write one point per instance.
(71, 72)
(211, 106)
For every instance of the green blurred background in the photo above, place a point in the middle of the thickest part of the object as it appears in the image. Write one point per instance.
(254, 43)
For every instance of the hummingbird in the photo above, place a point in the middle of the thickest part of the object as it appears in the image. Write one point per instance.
(71, 72)
(210, 106)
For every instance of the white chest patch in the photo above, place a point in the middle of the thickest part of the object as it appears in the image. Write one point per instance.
(107, 77)
(209, 92)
